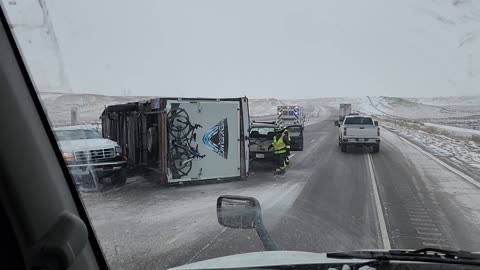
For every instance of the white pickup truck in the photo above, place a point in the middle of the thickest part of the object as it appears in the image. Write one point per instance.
(358, 130)
(95, 163)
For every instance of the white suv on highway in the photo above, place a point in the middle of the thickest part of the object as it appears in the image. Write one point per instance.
(94, 162)
(358, 130)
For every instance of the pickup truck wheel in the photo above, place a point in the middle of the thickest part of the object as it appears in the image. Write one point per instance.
(344, 147)
(117, 179)
(120, 178)
(376, 148)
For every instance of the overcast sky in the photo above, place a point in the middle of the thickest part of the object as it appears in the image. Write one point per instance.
(283, 49)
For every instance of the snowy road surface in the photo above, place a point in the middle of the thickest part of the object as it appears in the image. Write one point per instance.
(325, 202)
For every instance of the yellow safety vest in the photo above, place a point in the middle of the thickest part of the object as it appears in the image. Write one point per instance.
(279, 146)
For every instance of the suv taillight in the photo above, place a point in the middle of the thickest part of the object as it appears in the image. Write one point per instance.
(378, 131)
(344, 131)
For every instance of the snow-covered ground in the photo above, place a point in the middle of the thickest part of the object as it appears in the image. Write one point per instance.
(461, 112)
(456, 131)
(89, 106)
(404, 108)
(461, 151)
(262, 107)
(449, 101)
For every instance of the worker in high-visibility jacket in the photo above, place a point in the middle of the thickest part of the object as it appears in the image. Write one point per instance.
(280, 143)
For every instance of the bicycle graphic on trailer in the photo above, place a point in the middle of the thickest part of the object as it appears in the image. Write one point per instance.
(182, 131)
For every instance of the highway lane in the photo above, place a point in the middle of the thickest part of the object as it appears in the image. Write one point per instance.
(425, 204)
(325, 202)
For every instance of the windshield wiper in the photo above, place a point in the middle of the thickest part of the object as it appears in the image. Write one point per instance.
(433, 255)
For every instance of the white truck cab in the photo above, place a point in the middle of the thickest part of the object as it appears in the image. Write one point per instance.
(94, 162)
(358, 130)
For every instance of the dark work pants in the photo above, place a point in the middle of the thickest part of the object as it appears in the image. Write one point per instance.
(281, 161)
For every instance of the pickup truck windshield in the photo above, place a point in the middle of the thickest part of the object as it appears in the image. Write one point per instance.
(262, 132)
(358, 121)
(77, 134)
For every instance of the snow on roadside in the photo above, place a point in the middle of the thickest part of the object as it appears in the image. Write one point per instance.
(459, 151)
(456, 131)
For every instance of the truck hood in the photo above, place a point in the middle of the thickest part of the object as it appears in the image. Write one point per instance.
(270, 259)
(90, 144)
(265, 258)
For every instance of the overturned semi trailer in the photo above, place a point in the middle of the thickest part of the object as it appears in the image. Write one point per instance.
(183, 139)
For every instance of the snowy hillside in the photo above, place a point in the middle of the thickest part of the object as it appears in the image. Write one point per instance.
(460, 103)
(261, 107)
(449, 101)
(89, 106)
(406, 108)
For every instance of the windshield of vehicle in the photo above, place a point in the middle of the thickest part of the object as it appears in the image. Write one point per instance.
(287, 114)
(76, 134)
(190, 93)
(358, 121)
(262, 132)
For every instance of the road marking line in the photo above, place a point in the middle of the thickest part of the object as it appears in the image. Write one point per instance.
(418, 216)
(429, 233)
(434, 244)
(448, 167)
(422, 219)
(313, 140)
(420, 225)
(376, 196)
(426, 229)
(416, 210)
(417, 213)
(430, 238)
(207, 245)
(292, 155)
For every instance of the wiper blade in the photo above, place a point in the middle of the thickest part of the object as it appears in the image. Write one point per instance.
(422, 255)
(438, 253)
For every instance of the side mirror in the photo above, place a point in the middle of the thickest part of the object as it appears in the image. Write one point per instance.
(240, 212)
(376, 123)
(336, 123)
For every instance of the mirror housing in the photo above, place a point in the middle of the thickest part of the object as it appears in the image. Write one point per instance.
(376, 123)
(336, 123)
(238, 212)
(241, 212)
